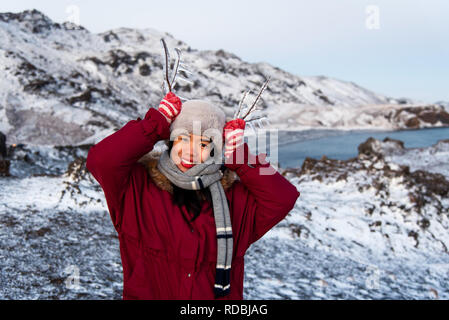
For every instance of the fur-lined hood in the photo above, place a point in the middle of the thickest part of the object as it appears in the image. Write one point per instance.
(150, 161)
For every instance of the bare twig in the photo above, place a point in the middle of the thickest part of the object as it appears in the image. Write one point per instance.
(175, 72)
(257, 99)
(167, 61)
(254, 119)
(241, 104)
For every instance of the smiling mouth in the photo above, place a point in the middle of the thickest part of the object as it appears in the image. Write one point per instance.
(186, 163)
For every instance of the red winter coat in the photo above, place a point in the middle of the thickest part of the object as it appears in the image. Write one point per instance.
(164, 257)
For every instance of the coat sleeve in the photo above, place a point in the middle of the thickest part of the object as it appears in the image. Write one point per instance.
(271, 196)
(112, 160)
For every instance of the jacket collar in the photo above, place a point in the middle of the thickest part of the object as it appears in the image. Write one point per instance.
(150, 161)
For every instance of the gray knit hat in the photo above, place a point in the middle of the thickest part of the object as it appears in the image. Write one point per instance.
(199, 117)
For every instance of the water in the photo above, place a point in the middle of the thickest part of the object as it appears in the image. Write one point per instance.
(296, 146)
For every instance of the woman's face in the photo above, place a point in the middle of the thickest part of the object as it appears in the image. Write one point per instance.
(189, 150)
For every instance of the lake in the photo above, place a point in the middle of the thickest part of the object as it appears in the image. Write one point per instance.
(295, 146)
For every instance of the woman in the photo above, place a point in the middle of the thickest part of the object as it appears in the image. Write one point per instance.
(185, 220)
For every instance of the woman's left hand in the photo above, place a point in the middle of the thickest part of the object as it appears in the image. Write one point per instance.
(233, 133)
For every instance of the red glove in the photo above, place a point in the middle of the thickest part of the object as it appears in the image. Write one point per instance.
(233, 132)
(235, 151)
(170, 106)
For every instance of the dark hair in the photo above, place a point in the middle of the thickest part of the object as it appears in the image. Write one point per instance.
(190, 198)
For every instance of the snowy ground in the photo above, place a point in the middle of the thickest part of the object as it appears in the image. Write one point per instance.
(55, 229)
(294, 270)
(358, 231)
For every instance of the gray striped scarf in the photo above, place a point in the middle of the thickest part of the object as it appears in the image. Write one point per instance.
(200, 176)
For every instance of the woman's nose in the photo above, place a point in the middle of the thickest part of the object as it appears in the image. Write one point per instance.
(190, 150)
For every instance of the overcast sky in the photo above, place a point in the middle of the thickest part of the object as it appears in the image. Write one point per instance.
(398, 48)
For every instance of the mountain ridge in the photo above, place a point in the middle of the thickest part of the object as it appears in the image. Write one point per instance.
(65, 85)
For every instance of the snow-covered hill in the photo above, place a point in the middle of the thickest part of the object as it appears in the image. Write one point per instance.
(444, 104)
(64, 85)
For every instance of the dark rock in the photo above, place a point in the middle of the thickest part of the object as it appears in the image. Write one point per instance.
(323, 97)
(185, 88)
(4, 168)
(37, 233)
(121, 59)
(412, 123)
(33, 78)
(109, 36)
(433, 182)
(32, 20)
(402, 101)
(424, 223)
(415, 236)
(372, 147)
(3, 149)
(428, 114)
(308, 165)
(217, 67)
(38, 84)
(367, 147)
(144, 70)
(227, 55)
(85, 96)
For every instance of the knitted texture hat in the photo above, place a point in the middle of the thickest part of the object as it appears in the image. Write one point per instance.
(199, 117)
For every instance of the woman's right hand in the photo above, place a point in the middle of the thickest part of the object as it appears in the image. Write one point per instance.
(170, 106)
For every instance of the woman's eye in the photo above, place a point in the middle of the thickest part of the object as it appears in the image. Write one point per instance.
(203, 145)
